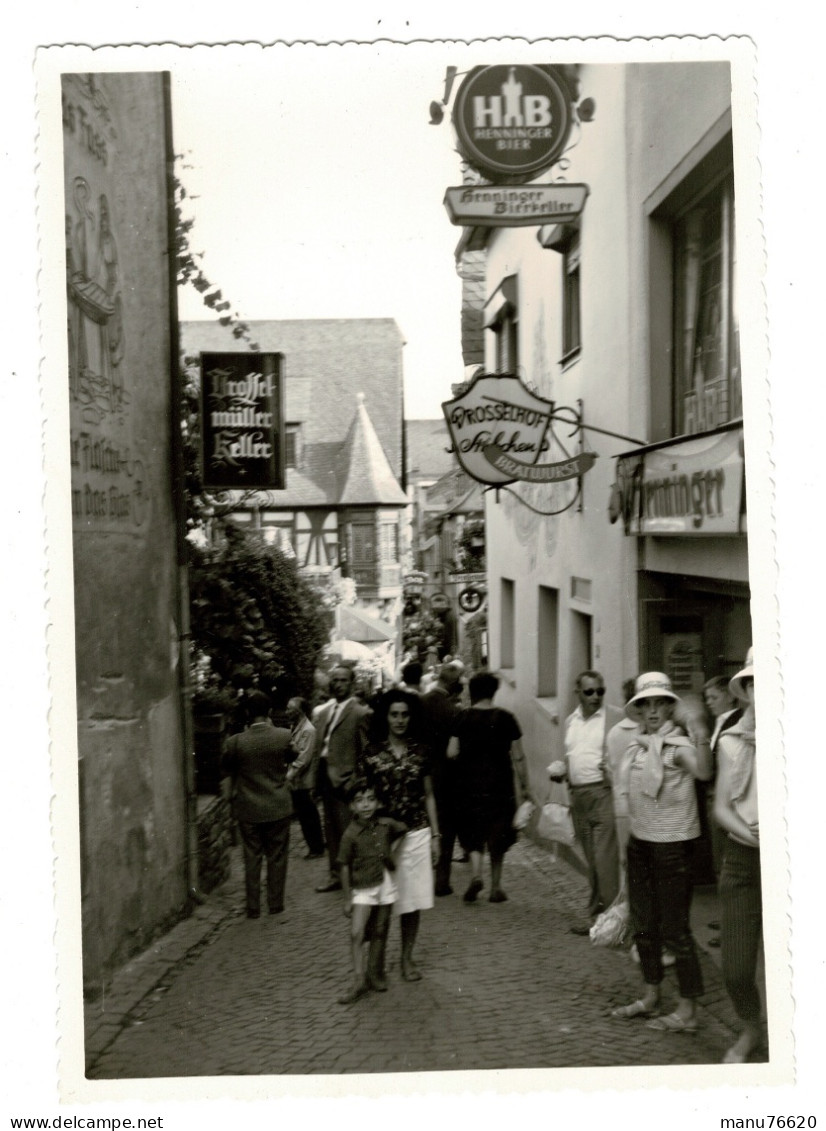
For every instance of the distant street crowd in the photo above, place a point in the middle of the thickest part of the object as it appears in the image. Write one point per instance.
(392, 789)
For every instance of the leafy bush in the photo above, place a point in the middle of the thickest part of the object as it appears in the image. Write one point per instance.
(253, 615)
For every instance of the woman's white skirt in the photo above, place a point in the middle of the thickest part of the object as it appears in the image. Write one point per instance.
(414, 873)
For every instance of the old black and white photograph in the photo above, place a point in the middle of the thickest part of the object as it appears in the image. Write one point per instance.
(415, 667)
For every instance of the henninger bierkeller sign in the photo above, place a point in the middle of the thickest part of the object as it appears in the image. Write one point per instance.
(517, 206)
(512, 121)
(242, 425)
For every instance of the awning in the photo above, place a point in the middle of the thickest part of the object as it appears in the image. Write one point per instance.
(691, 485)
(355, 624)
(350, 650)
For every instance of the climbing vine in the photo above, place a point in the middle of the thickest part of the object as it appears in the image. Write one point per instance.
(190, 271)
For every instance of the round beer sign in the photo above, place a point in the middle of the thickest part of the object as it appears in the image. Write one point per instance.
(512, 122)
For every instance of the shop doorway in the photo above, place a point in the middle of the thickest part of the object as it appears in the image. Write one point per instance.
(685, 639)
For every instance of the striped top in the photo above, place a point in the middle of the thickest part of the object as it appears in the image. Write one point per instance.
(672, 815)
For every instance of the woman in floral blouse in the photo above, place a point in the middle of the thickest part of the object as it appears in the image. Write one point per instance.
(397, 767)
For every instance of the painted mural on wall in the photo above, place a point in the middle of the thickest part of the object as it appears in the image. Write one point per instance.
(108, 478)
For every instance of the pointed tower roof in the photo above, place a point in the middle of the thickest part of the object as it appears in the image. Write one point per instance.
(364, 470)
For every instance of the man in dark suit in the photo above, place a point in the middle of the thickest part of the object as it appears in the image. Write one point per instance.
(440, 707)
(341, 738)
(254, 765)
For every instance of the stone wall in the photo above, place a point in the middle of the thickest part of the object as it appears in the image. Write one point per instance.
(120, 310)
(215, 839)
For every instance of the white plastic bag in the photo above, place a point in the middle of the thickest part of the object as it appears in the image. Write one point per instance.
(613, 926)
(555, 823)
(523, 814)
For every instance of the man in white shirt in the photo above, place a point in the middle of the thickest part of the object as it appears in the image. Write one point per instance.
(588, 775)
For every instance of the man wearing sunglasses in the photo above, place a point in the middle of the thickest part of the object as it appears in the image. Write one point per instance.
(585, 768)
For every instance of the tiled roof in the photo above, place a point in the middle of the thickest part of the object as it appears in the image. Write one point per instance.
(364, 472)
(458, 493)
(298, 399)
(427, 443)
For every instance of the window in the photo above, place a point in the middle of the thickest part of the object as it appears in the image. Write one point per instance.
(571, 329)
(507, 352)
(508, 623)
(581, 588)
(502, 320)
(548, 630)
(564, 240)
(707, 389)
(292, 445)
(363, 543)
(389, 543)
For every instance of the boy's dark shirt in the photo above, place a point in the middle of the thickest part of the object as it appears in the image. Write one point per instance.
(365, 849)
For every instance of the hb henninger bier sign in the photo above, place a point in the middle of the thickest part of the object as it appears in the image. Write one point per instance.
(512, 121)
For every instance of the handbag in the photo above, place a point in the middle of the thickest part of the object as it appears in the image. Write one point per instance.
(555, 823)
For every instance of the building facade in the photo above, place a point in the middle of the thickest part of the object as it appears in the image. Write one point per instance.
(447, 527)
(626, 320)
(342, 510)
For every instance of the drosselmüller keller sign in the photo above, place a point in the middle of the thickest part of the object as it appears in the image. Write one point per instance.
(493, 206)
(242, 425)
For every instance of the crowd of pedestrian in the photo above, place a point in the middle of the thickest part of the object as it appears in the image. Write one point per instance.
(433, 766)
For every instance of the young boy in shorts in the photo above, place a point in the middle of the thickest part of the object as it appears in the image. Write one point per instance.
(367, 866)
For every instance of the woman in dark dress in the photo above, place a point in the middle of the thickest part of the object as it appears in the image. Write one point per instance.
(490, 770)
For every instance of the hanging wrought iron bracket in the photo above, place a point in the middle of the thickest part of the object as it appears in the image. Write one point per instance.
(572, 416)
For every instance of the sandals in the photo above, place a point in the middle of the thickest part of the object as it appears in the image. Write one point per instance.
(635, 1009)
(673, 1023)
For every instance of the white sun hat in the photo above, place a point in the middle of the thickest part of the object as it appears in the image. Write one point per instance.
(735, 684)
(651, 685)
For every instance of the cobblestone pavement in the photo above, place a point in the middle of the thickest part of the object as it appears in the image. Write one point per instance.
(505, 986)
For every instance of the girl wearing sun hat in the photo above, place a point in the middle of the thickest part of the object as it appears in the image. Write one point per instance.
(741, 900)
(661, 765)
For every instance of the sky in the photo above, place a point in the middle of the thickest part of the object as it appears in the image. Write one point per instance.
(318, 185)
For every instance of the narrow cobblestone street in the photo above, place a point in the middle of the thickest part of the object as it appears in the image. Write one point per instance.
(505, 986)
